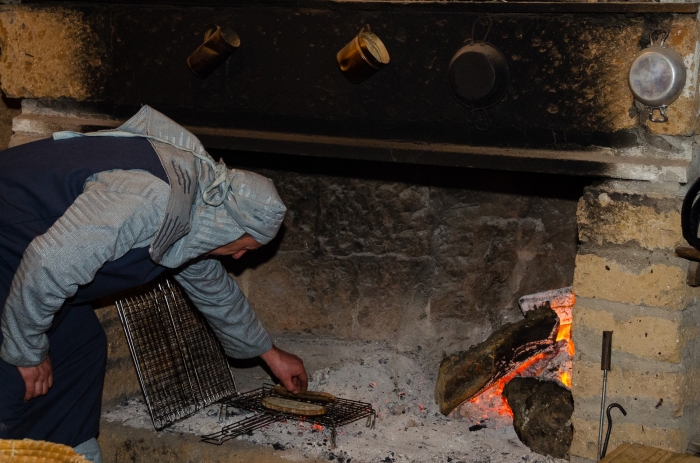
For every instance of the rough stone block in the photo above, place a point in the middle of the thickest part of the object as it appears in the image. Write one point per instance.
(661, 397)
(668, 387)
(300, 194)
(657, 285)
(391, 216)
(650, 412)
(51, 52)
(468, 258)
(608, 216)
(650, 337)
(585, 443)
(340, 297)
(294, 294)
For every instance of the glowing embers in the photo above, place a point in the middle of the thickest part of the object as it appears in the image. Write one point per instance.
(489, 407)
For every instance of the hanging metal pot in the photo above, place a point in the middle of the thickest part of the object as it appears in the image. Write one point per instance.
(478, 74)
(657, 76)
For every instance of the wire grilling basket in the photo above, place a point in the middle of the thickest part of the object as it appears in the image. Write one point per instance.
(180, 363)
(338, 413)
(182, 368)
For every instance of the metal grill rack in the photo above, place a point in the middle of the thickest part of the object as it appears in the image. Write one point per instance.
(180, 363)
(338, 413)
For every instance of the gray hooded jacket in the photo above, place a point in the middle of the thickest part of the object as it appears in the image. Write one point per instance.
(205, 206)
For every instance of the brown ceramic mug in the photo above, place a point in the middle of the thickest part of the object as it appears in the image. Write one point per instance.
(362, 56)
(217, 47)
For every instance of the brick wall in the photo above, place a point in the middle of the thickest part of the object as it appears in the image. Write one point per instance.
(628, 280)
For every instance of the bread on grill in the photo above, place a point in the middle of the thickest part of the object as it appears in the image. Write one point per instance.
(293, 406)
(315, 396)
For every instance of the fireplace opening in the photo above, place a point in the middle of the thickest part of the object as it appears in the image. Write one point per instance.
(382, 270)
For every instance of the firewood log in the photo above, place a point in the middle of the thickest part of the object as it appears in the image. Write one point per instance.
(465, 374)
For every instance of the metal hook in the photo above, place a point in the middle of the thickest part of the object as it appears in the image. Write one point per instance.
(490, 22)
(662, 111)
(607, 436)
(664, 35)
(481, 120)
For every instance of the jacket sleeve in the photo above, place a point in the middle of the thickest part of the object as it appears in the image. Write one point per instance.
(225, 307)
(117, 211)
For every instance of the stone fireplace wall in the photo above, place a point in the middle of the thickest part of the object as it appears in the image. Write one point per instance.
(628, 280)
(409, 253)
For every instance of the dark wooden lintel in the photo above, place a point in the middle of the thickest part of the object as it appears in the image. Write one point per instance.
(442, 6)
(595, 162)
(525, 7)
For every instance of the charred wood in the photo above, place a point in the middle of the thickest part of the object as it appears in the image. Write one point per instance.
(541, 415)
(465, 374)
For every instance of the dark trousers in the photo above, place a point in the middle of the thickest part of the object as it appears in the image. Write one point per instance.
(70, 412)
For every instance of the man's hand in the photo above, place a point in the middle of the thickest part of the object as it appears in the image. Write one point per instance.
(37, 380)
(288, 368)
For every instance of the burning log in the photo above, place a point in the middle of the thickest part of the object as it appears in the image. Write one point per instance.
(467, 373)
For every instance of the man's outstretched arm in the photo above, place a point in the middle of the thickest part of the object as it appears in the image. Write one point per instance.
(288, 368)
(233, 321)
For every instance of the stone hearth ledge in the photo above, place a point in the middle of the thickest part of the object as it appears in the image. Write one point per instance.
(121, 443)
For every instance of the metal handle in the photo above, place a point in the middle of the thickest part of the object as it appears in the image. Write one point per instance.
(489, 22)
(662, 111)
(610, 423)
(607, 350)
(664, 35)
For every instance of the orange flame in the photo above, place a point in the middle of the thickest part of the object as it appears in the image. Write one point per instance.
(494, 395)
(565, 378)
(563, 310)
(316, 427)
(495, 392)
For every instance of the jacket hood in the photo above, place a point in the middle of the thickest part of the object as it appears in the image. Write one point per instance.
(251, 205)
(225, 203)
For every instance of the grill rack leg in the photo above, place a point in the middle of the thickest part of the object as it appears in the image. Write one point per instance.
(240, 428)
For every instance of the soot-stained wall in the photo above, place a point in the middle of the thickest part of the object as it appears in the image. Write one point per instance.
(407, 253)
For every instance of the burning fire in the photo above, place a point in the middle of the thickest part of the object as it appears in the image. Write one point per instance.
(565, 378)
(492, 398)
(563, 308)
(494, 394)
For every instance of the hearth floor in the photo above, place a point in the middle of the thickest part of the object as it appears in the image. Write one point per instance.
(397, 382)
